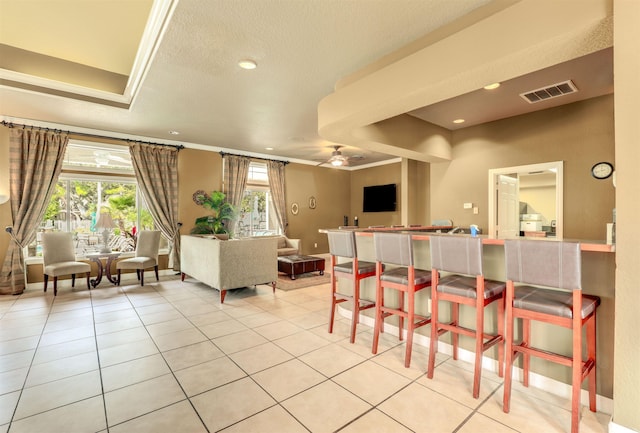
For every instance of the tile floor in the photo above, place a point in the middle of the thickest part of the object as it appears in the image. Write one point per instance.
(168, 357)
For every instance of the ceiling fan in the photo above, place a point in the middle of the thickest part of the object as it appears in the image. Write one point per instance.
(337, 159)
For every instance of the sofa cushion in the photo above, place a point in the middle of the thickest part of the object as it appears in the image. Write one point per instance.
(282, 242)
(287, 251)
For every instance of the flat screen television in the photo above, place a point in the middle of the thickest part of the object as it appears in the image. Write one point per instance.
(379, 198)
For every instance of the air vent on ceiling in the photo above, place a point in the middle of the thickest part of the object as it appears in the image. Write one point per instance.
(548, 92)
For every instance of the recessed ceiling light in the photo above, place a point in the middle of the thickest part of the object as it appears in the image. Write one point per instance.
(458, 121)
(268, 148)
(247, 64)
(492, 86)
(174, 132)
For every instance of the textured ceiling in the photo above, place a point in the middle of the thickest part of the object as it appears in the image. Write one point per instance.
(192, 83)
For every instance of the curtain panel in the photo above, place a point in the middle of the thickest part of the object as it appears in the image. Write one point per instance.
(236, 174)
(156, 169)
(275, 170)
(35, 163)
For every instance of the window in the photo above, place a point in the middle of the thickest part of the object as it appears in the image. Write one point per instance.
(256, 216)
(94, 178)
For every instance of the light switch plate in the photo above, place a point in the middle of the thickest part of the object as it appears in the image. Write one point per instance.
(467, 205)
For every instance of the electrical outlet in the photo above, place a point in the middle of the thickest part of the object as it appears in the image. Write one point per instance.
(315, 245)
(475, 210)
(429, 306)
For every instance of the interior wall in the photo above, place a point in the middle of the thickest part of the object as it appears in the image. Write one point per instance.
(380, 175)
(330, 188)
(542, 200)
(197, 170)
(580, 134)
(626, 64)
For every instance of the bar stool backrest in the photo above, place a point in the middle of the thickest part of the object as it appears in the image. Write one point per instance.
(544, 263)
(459, 255)
(394, 248)
(342, 243)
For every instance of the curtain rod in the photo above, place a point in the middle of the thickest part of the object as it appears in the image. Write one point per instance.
(84, 134)
(253, 157)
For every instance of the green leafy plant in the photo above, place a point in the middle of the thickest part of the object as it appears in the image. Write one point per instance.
(222, 213)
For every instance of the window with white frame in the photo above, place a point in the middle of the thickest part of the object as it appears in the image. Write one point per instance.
(256, 216)
(95, 178)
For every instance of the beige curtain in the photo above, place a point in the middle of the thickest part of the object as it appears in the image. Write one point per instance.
(275, 170)
(156, 169)
(35, 162)
(236, 173)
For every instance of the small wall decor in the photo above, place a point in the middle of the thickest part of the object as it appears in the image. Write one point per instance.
(312, 202)
(294, 208)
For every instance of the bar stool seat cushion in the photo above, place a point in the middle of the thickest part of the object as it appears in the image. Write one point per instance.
(461, 285)
(66, 268)
(363, 267)
(400, 276)
(553, 302)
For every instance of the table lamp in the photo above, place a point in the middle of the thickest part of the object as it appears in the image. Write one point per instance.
(105, 222)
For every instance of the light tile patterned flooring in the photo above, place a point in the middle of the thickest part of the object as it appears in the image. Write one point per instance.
(167, 357)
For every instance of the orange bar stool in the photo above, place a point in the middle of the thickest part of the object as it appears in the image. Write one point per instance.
(554, 265)
(397, 249)
(465, 284)
(343, 244)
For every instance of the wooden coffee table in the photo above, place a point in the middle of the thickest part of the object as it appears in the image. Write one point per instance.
(296, 265)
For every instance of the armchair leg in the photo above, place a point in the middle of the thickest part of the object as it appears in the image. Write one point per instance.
(141, 274)
(118, 283)
(73, 280)
(156, 269)
(88, 282)
(46, 281)
(55, 286)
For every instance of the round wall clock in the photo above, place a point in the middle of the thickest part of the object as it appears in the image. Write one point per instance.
(602, 170)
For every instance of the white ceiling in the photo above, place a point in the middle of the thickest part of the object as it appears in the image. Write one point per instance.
(192, 83)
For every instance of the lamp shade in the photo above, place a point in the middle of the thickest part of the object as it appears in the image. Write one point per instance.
(105, 221)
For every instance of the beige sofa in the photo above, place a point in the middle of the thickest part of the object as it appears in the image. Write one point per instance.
(230, 264)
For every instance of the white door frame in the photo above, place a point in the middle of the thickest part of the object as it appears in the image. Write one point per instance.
(557, 166)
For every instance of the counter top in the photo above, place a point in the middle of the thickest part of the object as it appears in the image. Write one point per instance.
(418, 234)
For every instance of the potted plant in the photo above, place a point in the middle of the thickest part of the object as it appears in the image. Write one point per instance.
(222, 213)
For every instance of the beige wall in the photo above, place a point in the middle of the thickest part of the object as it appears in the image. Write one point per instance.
(380, 175)
(626, 393)
(197, 170)
(579, 134)
(330, 187)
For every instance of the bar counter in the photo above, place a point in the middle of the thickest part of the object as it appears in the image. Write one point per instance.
(598, 276)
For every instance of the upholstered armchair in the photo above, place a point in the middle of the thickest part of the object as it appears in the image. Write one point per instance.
(146, 255)
(59, 257)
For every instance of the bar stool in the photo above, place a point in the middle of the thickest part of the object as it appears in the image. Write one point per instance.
(397, 249)
(557, 265)
(342, 243)
(465, 285)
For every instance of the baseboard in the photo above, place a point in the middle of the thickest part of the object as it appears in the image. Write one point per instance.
(617, 428)
(604, 404)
